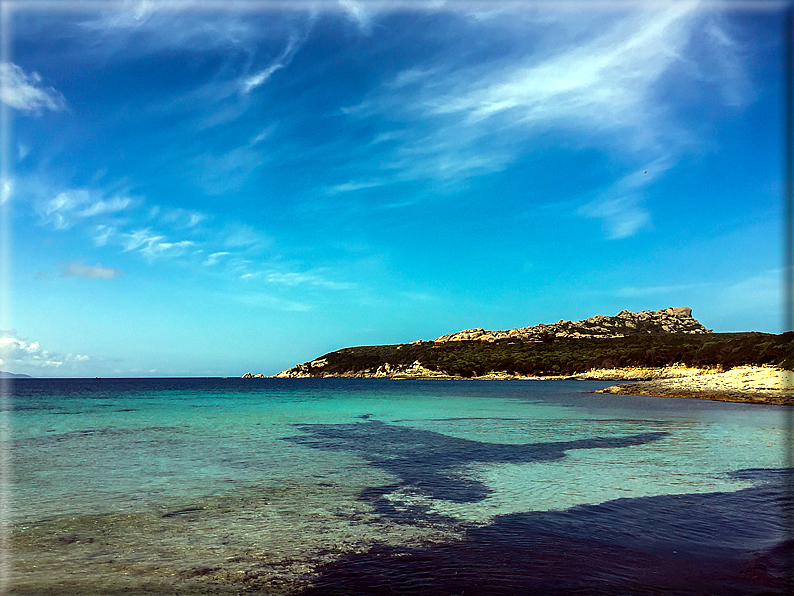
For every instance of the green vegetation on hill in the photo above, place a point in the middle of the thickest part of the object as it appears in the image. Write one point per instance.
(568, 356)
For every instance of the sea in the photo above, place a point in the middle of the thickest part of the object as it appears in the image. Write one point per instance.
(376, 486)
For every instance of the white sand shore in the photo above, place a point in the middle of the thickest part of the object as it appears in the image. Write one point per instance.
(748, 384)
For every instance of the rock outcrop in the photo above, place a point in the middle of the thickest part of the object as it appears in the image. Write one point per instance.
(769, 385)
(314, 369)
(625, 323)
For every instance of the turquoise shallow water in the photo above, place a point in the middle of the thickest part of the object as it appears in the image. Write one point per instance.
(429, 461)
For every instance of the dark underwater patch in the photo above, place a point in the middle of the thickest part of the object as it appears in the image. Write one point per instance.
(727, 543)
(693, 544)
(430, 462)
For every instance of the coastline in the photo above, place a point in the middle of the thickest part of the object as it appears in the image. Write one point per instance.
(767, 385)
(418, 372)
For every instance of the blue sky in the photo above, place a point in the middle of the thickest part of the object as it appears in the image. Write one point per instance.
(193, 190)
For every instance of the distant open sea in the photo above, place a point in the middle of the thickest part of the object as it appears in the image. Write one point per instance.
(335, 486)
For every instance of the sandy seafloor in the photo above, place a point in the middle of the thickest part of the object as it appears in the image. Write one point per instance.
(333, 486)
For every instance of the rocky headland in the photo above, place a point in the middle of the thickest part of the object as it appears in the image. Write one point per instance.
(663, 352)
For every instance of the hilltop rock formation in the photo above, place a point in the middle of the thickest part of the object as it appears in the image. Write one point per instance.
(625, 323)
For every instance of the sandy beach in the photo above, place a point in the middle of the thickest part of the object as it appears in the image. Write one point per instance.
(746, 384)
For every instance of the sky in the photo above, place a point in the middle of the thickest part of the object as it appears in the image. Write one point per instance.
(195, 190)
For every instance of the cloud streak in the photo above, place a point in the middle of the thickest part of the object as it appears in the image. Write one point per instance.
(70, 207)
(252, 82)
(152, 245)
(584, 90)
(154, 232)
(215, 257)
(354, 186)
(620, 207)
(295, 278)
(27, 92)
(599, 85)
(121, 221)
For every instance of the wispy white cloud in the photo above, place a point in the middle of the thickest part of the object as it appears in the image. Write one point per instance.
(215, 257)
(726, 70)
(385, 137)
(353, 186)
(294, 44)
(413, 76)
(6, 189)
(175, 216)
(622, 217)
(243, 236)
(70, 207)
(364, 13)
(594, 86)
(27, 92)
(261, 136)
(102, 234)
(158, 26)
(260, 78)
(112, 205)
(153, 245)
(89, 271)
(194, 218)
(127, 14)
(604, 85)
(620, 207)
(295, 278)
(286, 279)
(590, 87)
(60, 210)
(155, 232)
(226, 172)
(361, 13)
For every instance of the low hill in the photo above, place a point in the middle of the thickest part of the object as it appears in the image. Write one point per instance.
(9, 375)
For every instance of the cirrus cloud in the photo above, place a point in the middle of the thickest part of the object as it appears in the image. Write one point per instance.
(70, 207)
(153, 245)
(577, 85)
